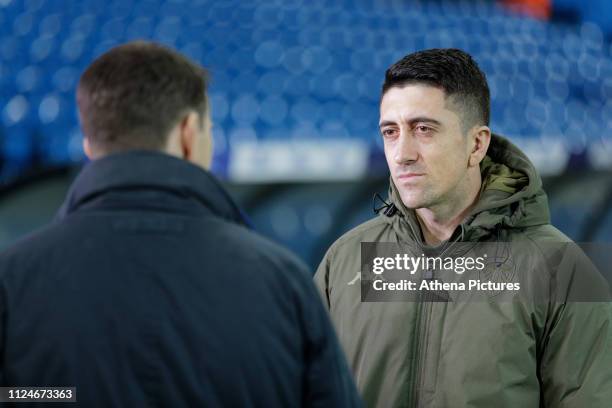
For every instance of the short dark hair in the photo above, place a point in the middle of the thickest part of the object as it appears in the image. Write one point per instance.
(452, 70)
(132, 96)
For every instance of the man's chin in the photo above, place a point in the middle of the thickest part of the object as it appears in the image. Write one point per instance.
(412, 203)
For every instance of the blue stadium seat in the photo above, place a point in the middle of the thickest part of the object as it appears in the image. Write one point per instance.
(309, 69)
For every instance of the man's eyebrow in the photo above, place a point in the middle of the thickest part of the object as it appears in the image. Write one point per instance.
(425, 119)
(418, 119)
(386, 123)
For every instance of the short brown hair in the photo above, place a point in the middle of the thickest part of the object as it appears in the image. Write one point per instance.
(452, 70)
(132, 96)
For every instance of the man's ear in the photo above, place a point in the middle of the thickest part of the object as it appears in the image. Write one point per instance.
(480, 139)
(188, 132)
(87, 148)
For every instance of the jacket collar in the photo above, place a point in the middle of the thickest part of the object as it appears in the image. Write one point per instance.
(150, 170)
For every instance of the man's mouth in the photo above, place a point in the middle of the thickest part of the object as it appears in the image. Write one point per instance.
(408, 176)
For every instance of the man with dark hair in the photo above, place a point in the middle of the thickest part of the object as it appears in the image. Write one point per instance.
(149, 289)
(453, 184)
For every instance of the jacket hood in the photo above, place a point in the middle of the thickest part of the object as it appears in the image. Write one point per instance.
(511, 196)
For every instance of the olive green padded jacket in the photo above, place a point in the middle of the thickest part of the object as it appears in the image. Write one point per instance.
(519, 354)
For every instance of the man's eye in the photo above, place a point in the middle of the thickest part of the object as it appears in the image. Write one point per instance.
(389, 132)
(423, 129)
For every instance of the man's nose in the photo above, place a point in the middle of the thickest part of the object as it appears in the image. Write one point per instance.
(406, 151)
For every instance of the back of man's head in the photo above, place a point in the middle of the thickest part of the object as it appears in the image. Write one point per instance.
(452, 70)
(133, 95)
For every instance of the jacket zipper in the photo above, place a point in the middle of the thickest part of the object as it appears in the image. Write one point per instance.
(419, 358)
(421, 329)
(414, 362)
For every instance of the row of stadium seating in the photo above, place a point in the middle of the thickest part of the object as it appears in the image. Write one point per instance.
(298, 70)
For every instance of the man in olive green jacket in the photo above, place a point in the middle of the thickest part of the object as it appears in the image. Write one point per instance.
(452, 181)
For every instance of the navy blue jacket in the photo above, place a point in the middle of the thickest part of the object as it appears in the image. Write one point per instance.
(149, 291)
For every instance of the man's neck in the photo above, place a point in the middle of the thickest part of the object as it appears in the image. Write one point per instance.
(439, 222)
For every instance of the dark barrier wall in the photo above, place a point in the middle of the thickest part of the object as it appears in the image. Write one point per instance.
(308, 217)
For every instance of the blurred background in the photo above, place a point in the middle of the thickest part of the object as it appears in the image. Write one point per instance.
(294, 93)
